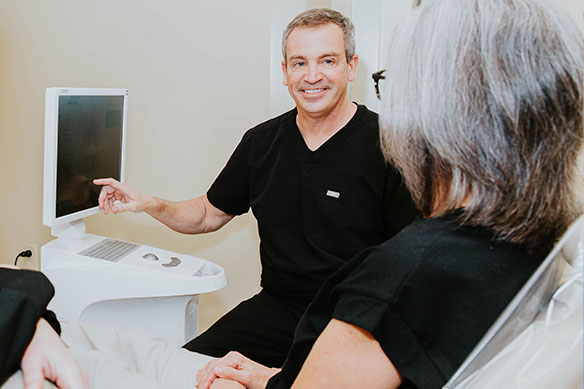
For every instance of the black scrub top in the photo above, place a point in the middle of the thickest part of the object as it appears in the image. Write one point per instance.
(315, 209)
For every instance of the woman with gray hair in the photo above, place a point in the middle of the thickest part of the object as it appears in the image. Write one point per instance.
(482, 114)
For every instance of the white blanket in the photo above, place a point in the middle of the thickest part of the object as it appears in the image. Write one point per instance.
(126, 360)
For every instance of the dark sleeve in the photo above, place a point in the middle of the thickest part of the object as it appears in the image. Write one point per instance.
(24, 296)
(398, 205)
(366, 298)
(395, 337)
(230, 191)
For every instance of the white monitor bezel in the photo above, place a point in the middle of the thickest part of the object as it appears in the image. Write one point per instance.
(50, 157)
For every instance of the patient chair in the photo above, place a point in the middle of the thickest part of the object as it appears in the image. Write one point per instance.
(537, 340)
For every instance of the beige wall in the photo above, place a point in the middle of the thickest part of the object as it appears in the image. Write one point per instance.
(197, 76)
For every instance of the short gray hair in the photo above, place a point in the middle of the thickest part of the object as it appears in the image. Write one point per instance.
(317, 17)
(483, 104)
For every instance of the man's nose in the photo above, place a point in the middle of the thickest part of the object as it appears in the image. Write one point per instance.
(313, 73)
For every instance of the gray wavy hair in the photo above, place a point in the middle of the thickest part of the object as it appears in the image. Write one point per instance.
(317, 17)
(483, 107)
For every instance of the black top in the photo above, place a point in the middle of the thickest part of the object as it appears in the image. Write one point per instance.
(427, 296)
(315, 209)
(24, 296)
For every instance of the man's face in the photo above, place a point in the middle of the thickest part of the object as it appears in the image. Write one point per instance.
(317, 71)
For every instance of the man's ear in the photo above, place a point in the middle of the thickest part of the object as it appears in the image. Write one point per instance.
(353, 67)
(284, 70)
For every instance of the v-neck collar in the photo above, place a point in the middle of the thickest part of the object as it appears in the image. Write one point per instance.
(332, 143)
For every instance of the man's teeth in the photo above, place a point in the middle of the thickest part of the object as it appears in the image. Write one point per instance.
(313, 90)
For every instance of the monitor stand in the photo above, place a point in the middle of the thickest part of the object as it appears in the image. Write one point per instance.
(71, 230)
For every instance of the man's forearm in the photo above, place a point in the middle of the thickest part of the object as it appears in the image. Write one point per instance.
(193, 216)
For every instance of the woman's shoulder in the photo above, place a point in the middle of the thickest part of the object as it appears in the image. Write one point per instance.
(432, 250)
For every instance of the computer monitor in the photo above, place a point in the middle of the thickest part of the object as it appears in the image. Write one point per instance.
(85, 132)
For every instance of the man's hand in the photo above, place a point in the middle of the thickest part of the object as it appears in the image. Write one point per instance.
(235, 367)
(47, 357)
(117, 197)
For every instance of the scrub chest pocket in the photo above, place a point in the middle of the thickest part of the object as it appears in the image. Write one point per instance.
(346, 220)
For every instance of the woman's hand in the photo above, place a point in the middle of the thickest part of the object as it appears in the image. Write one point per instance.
(235, 367)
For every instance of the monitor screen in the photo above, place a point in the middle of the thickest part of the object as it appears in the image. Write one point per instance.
(84, 140)
(89, 145)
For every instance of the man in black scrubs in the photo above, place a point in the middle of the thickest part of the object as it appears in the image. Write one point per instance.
(315, 179)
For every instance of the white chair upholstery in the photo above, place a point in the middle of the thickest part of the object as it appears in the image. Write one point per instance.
(537, 340)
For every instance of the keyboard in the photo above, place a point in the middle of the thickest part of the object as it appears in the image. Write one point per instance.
(110, 250)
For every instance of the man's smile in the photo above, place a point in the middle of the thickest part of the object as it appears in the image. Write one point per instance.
(313, 90)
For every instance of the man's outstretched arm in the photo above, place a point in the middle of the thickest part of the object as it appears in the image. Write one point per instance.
(193, 216)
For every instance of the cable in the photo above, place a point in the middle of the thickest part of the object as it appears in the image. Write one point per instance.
(25, 253)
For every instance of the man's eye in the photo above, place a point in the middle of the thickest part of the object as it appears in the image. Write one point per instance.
(329, 61)
(299, 64)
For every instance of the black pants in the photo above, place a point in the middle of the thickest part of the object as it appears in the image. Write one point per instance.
(261, 328)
